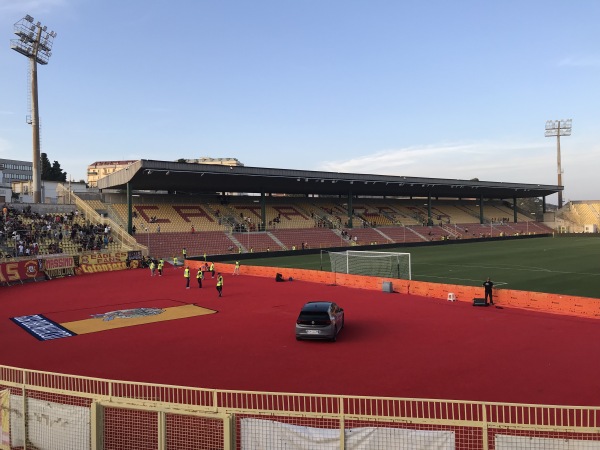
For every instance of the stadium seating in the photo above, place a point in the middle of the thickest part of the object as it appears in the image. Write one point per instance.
(209, 224)
(311, 237)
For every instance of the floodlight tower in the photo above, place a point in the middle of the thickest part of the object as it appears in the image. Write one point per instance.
(34, 42)
(558, 128)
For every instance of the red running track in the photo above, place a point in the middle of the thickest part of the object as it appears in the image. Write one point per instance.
(393, 345)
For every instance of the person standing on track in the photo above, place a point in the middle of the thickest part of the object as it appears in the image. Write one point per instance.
(186, 274)
(200, 276)
(236, 270)
(220, 284)
(488, 286)
(212, 270)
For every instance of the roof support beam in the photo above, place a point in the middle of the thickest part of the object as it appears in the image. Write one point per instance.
(481, 218)
(129, 208)
(350, 208)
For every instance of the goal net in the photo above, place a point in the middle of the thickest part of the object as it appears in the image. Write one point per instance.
(377, 264)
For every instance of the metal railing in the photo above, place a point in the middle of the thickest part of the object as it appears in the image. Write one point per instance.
(97, 413)
(118, 232)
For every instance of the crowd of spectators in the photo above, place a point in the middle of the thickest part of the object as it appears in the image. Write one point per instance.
(27, 233)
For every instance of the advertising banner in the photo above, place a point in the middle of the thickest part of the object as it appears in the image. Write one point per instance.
(60, 262)
(101, 262)
(28, 270)
(135, 255)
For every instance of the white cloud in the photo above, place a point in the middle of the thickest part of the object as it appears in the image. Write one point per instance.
(492, 161)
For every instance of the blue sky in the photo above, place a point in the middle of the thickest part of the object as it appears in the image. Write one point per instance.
(449, 89)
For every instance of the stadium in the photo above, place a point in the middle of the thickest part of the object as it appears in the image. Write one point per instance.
(202, 303)
(150, 364)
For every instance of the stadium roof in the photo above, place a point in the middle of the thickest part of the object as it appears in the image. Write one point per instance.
(209, 178)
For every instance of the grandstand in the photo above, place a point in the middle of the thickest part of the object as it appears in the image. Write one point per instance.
(579, 217)
(206, 224)
(220, 210)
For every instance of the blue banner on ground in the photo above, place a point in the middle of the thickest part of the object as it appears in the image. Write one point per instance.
(42, 328)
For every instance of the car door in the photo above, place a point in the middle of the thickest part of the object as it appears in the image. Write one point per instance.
(337, 314)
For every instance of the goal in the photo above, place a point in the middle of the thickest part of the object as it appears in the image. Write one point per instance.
(377, 264)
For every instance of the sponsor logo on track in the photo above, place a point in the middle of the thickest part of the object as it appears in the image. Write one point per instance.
(128, 314)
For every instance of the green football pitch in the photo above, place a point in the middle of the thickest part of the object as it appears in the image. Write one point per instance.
(565, 265)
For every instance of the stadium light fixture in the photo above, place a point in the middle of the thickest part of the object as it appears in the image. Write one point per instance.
(34, 42)
(558, 128)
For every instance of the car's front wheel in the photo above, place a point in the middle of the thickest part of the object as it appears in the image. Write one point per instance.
(334, 337)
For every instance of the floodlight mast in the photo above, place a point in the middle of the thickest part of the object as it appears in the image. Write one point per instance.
(34, 42)
(559, 128)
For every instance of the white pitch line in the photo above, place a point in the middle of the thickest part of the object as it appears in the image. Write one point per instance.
(496, 283)
(519, 268)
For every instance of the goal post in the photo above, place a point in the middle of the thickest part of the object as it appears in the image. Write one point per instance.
(371, 263)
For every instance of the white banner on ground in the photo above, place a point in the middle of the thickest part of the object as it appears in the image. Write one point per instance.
(257, 434)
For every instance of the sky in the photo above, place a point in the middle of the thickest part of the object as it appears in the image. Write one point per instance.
(442, 89)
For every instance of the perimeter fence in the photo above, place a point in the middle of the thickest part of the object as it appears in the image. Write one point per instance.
(42, 410)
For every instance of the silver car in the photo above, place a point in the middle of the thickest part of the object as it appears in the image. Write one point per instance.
(319, 320)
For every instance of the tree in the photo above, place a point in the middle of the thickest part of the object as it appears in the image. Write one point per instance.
(57, 173)
(46, 167)
(52, 172)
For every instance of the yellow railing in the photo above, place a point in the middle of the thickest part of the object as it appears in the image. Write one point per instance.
(119, 234)
(97, 413)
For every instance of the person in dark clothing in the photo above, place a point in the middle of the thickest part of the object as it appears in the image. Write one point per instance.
(220, 284)
(488, 285)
